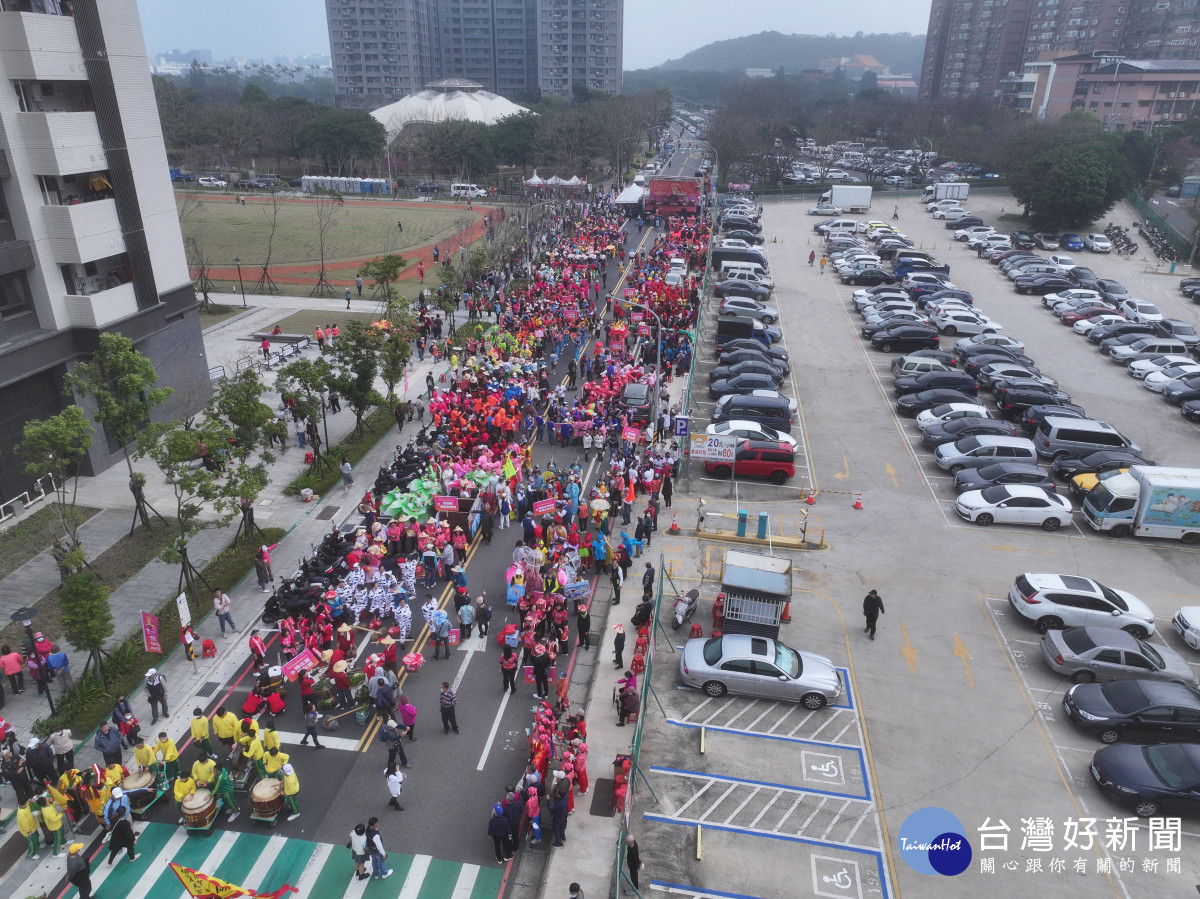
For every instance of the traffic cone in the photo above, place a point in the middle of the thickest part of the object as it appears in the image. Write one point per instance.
(674, 528)
(858, 502)
(811, 498)
(787, 610)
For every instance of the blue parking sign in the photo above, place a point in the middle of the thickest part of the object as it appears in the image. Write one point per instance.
(681, 426)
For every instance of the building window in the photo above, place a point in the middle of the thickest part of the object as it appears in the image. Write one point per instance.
(14, 295)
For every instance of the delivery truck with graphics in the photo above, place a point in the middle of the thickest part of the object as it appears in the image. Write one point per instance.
(848, 197)
(673, 196)
(1147, 501)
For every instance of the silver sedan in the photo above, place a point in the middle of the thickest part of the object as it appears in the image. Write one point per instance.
(759, 667)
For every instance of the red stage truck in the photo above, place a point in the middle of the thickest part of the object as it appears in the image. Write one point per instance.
(672, 196)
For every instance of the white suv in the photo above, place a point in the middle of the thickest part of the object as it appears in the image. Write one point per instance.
(1054, 601)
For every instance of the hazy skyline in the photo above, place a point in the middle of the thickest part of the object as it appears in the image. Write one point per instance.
(655, 30)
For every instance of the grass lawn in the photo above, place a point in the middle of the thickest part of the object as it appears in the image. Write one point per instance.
(30, 536)
(306, 322)
(360, 230)
(218, 315)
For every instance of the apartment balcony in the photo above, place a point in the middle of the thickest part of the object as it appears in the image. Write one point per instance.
(40, 47)
(85, 231)
(61, 143)
(102, 308)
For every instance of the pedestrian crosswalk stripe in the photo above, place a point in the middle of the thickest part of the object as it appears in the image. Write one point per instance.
(267, 862)
(292, 739)
(466, 882)
(416, 876)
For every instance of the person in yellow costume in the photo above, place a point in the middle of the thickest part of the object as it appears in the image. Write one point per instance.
(252, 749)
(146, 758)
(291, 789)
(270, 738)
(165, 747)
(52, 818)
(200, 731)
(114, 774)
(226, 726)
(273, 762)
(204, 771)
(27, 823)
(249, 725)
(185, 786)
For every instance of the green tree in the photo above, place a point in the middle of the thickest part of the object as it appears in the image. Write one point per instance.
(384, 271)
(306, 380)
(203, 497)
(355, 368)
(395, 344)
(341, 137)
(253, 95)
(86, 618)
(238, 404)
(120, 381)
(325, 202)
(513, 138)
(54, 447)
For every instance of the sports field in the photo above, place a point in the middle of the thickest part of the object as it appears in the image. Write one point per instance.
(360, 229)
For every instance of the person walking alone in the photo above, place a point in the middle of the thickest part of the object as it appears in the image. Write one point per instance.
(395, 784)
(633, 858)
(500, 830)
(872, 609)
(122, 837)
(345, 469)
(508, 670)
(311, 717)
(447, 701)
(156, 695)
(222, 605)
(358, 280)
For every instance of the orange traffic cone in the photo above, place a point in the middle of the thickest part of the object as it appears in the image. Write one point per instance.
(674, 528)
(787, 609)
(811, 498)
(858, 502)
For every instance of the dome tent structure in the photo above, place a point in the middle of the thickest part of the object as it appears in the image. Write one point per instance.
(445, 100)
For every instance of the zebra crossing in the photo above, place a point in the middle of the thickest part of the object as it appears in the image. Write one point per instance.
(267, 861)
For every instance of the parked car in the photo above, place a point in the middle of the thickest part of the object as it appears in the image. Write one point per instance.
(1066, 467)
(904, 338)
(1046, 240)
(749, 344)
(1071, 242)
(749, 430)
(1141, 710)
(252, 184)
(1071, 600)
(771, 459)
(949, 380)
(1098, 243)
(1001, 473)
(749, 308)
(750, 237)
(871, 274)
(1141, 311)
(1112, 291)
(1023, 239)
(951, 322)
(915, 365)
(725, 372)
(1150, 781)
(1074, 295)
(742, 288)
(1014, 504)
(1099, 320)
(949, 431)
(951, 411)
(759, 667)
(742, 384)
(913, 404)
(1032, 418)
(636, 401)
(1179, 330)
(1042, 284)
(969, 221)
(213, 182)
(1087, 654)
(748, 355)
(829, 209)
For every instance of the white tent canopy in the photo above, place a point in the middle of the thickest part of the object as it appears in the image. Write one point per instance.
(448, 99)
(630, 196)
(535, 180)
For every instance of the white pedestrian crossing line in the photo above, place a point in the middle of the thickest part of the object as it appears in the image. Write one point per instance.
(416, 876)
(306, 881)
(213, 861)
(466, 882)
(291, 738)
(266, 859)
(174, 845)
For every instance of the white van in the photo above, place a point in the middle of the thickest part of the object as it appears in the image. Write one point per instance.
(751, 268)
(470, 191)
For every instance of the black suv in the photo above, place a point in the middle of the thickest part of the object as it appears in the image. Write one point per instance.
(635, 399)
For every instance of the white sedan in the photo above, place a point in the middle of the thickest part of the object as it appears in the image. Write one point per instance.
(1143, 367)
(1141, 311)
(1001, 340)
(973, 232)
(950, 411)
(1098, 243)
(958, 211)
(213, 182)
(824, 210)
(748, 430)
(1084, 325)
(1157, 380)
(1014, 504)
(1050, 300)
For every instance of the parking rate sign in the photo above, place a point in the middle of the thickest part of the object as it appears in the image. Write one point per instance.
(711, 448)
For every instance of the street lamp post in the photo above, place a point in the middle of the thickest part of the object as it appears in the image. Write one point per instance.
(238, 263)
(25, 616)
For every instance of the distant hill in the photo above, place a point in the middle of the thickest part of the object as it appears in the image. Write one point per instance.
(902, 53)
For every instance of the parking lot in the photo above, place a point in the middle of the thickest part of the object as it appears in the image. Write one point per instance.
(956, 707)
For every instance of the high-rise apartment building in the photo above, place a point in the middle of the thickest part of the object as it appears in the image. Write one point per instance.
(972, 46)
(384, 50)
(89, 234)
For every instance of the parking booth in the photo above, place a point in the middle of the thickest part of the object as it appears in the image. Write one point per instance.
(756, 588)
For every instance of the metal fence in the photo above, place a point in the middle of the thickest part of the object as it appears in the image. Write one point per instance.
(1182, 244)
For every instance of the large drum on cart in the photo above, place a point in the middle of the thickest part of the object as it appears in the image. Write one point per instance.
(141, 789)
(199, 809)
(267, 799)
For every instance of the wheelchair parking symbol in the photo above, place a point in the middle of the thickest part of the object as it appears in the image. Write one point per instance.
(822, 767)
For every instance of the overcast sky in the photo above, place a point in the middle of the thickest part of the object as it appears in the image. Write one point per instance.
(655, 30)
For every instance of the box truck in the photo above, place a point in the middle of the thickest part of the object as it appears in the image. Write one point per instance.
(1147, 501)
(848, 197)
(673, 196)
(947, 190)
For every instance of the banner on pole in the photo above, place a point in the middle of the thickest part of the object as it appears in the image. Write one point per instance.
(185, 613)
(150, 633)
(445, 503)
(297, 665)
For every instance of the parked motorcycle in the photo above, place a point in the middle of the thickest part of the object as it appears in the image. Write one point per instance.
(685, 607)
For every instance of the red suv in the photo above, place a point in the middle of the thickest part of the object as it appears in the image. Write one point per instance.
(759, 459)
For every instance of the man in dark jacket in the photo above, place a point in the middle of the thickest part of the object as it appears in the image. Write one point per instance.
(513, 811)
(108, 744)
(39, 759)
(872, 609)
(500, 830)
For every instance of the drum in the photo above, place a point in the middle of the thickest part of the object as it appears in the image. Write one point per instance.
(200, 808)
(139, 787)
(267, 797)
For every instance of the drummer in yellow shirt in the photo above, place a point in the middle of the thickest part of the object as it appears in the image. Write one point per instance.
(273, 762)
(185, 786)
(52, 818)
(226, 726)
(270, 737)
(291, 788)
(252, 749)
(200, 732)
(204, 771)
(27, 823)
(165, 747)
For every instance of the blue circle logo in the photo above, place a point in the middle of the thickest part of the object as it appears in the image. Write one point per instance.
(932, 841)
